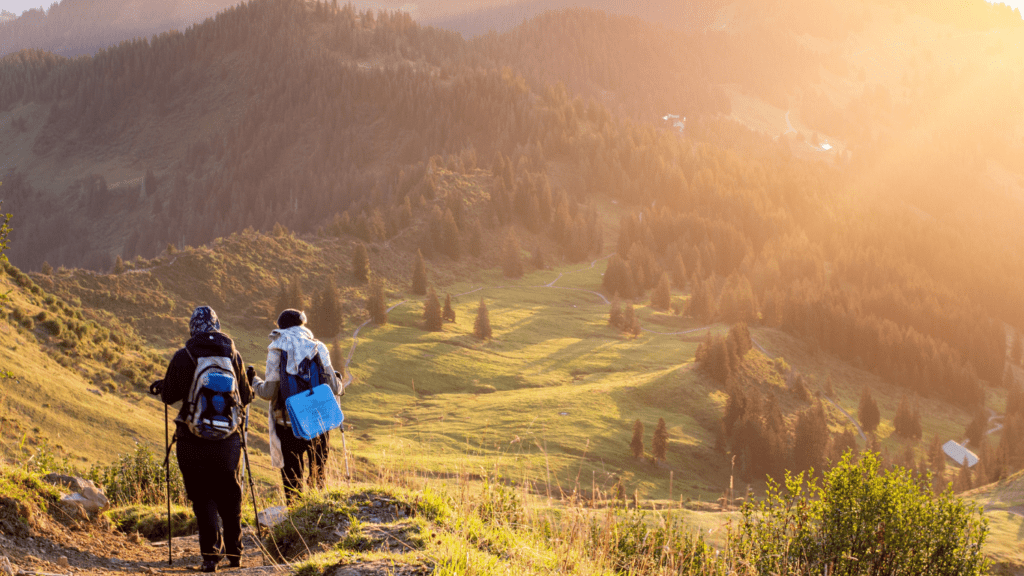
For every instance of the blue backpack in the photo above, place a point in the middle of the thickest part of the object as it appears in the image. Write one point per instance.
(311, 375)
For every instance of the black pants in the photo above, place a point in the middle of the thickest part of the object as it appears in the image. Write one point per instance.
(212, 475)
(293, 450)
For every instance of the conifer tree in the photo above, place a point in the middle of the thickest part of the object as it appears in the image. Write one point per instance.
(976, 429)
(448, 314)
(476, 239)
(659, 443)
(419, 275)
(538, 259)
(296, 298)
(482, 324)
(907, 421)
(936, 457)
(1016, 348)
(739, 340)
(46, 269)
(810, 439)
(327, 319)
(511, 261)
(615, 317)
(867, 412)
(450, 238)
(432, 320)
(661, 296)
(678, 272)
(636, 445)
(630, 323)
(360, 263)
(376, 304)
(338, 358)
(118, 265)
(963, 482)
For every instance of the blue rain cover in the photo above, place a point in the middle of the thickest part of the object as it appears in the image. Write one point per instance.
(313, 413)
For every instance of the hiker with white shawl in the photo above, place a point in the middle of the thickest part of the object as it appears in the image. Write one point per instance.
(293, 341)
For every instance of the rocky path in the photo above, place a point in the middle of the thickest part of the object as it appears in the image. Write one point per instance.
(93, 549)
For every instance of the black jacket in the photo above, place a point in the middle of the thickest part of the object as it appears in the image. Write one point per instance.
(180, 371)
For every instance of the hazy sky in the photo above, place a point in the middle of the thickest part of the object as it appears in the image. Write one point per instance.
(19, 6)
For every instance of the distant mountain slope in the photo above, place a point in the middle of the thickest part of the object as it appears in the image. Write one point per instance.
(73, 27)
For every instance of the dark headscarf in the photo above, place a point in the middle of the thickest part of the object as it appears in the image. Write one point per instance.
(290, 318)
(204, 319)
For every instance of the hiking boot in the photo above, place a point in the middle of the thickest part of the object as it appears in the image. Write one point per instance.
(234, 561)
(209, 566)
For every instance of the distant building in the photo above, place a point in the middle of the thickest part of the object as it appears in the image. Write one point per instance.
(959, 453)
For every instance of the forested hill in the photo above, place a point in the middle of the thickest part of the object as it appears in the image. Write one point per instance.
(322, 118)
(73, 27)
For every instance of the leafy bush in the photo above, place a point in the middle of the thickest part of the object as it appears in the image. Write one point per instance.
(138, 478)
(861, 520)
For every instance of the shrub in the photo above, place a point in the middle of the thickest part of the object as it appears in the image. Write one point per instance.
(28, 323)
(151, 521)
(138, 478)
(484, 389)
(53, 326)
(861, 520)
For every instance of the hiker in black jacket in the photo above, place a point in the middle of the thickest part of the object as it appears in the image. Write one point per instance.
(210, 468)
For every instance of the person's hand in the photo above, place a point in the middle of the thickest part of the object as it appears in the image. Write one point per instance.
(156, 388)
(250, 373)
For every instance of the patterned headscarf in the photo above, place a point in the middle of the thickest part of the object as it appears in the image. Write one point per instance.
(204, 319)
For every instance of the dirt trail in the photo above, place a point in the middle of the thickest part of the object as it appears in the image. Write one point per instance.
(92, 549)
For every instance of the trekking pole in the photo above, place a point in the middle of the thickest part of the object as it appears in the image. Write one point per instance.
(167, 476)
(344, 452)
(252, 488)
(156, 388)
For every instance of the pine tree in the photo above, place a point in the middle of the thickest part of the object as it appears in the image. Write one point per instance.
(450, 239)
(1016, 348)
(296, 299)
(360, 263)
(118, 265)
(338, 358)
(511, 261)
(448, 314)
(810, 439)
(907, 421)
(630, 323)
(538, 259)
(659, 443)
(636, 445)
(867, 412)
(661, 296)
(739, 340)
(678, 272)
(975, 431)
(482, 324)
(432, 320)
(936, 457)
(327, 319)
(615, 318)
(419, 275)
(476, 239)
(376, 304)
(46, 269)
